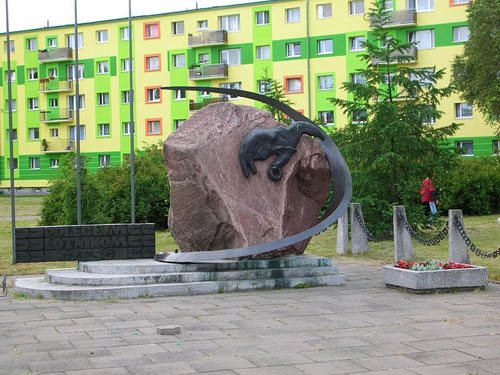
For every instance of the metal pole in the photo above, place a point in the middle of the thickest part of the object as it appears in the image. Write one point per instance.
(11, 141)
(77, 128)
(132, 127)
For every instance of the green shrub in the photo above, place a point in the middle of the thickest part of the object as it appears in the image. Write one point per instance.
(473, 186)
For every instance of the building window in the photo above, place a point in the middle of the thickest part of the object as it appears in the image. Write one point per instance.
(31, 44)
(359, 116)
(178, 28)
(104, 161)
(70, 40)
(204, 94)
(421, 5)
(263, 52)
(326, 118)
(33, 104)
(423, 38)
(179, 94)
(54, 163)
(127, 129)
(14, 134)
(179, 61)
(262, 18)
(15, 163)
(12, 76)
(34, 134)
(32, 74)
(460, 2)
(153, 127)
(72, 133)
(230, 56)
(102, 36)
(496, 147)
(54, 133)
(152, 63)
(463, 110)
(53, 72)
(126, 97)
(461, 34)
(293, 15)
(34, 163)
(325, 46)
(293, 50)
(125, 33)
(152, 30)
(102, 67)
(357, 43)
(153, 95)
(103, 98)
(230, 23)
(12, 46)
(231, 85)
(264, 86)
(358, 78)
(467, 147)
(71, 72)
(325, 82)
(52, 42)
(72, 101)
(127, 65)
(293, 85)
(178, 123)
(204, 58)
(13, 104)
(202, 25)
(356, 7)
(324, 11)
(104, 130)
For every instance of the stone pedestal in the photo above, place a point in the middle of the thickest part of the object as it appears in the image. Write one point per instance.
(457, 247)
(343, 234)
(403, 247)
(359, 240)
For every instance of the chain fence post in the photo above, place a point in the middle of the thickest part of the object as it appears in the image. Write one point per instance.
(457, 247)
(359, 239)
(343, 234)
(403, 247)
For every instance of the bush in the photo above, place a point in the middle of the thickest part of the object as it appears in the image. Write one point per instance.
(473, 186)
(106, 194)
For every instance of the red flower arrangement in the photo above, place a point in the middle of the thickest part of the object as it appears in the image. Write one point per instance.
(431, 265)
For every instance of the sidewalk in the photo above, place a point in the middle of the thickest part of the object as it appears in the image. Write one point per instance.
(359, 328)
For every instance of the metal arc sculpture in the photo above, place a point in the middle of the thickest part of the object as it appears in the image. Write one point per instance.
(342, 185)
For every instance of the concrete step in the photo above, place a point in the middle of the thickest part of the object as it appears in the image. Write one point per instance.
(150, 266)
(40, 288)
(76, 277)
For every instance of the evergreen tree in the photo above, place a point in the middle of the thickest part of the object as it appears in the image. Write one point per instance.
(274, 89)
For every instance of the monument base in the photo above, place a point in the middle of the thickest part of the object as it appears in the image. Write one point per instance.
(148, 278)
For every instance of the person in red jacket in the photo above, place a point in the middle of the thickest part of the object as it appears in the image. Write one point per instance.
(428, 196)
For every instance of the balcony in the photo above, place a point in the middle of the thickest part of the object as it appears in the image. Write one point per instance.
(55, 85)
(209, 71)
(194, 106)
(395, 56)
(208, 38)
(57, 115)
(56, 54)
(400, 18)
(57, 145)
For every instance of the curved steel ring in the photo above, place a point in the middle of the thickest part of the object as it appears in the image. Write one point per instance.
(342, 185)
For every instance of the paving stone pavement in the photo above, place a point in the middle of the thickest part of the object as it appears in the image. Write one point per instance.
(359, 328)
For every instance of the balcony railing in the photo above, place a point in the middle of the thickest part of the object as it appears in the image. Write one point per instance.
(209, 71)
(55, 86)
(56, 54)
(208, 38)
(395, 57)
(398, 18)
(194, 106)
(57, 145)
(57, 115)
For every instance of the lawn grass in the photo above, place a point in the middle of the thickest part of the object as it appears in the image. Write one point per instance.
(483, 230)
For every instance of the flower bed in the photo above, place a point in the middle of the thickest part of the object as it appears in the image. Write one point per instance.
(434, 276)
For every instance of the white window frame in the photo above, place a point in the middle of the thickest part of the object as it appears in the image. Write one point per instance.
(325, 47)
(13, 105)
(71, 72)
(460, 144)
(151, 124)
(323, 86)
(320, 11)
(230, 23)
(102, 67)
(72, 101)
(126, 97)
(496, 146)
(291, 49)
(34, 134)
(202, 25)
(417, 5)
(360, 121)
(31, 44)
(34, 163)
(104, 130)
(263, 52)
(51, 71)
(102, 99)
(70, 40)
(153, 95)
(52, 42)
(127, 127)
(292, 15)
(12, 45)
(461, 34)
(262, 18)
(33, 104)
(153, 67)
(102, 36)
(417, 37)
(264, 86)
(356, 43)
(461, 108)
(54, 133)
(14, 133)
(54, 163)
(149, 29)
(178, 123)
(32, 74)
(179, 60)
(12, 76)
(124, 33)
(127, 65)
(231, 85)
(177, 29)
(179, 94)
(72, 133)
(231, 56)
(323, 116)
(460, 2)
(289, 84)
(204, 61)
(356, 7)
(104, 161)
(358, 78)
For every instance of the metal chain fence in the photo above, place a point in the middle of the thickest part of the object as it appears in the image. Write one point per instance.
(443, 233)
(471, 246)
(365, 230)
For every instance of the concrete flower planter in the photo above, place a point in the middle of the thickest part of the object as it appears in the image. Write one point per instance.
(436, 281)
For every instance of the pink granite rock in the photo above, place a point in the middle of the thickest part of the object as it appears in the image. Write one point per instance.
(213, 206)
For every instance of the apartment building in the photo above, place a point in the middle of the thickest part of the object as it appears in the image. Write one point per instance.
(310, 46)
